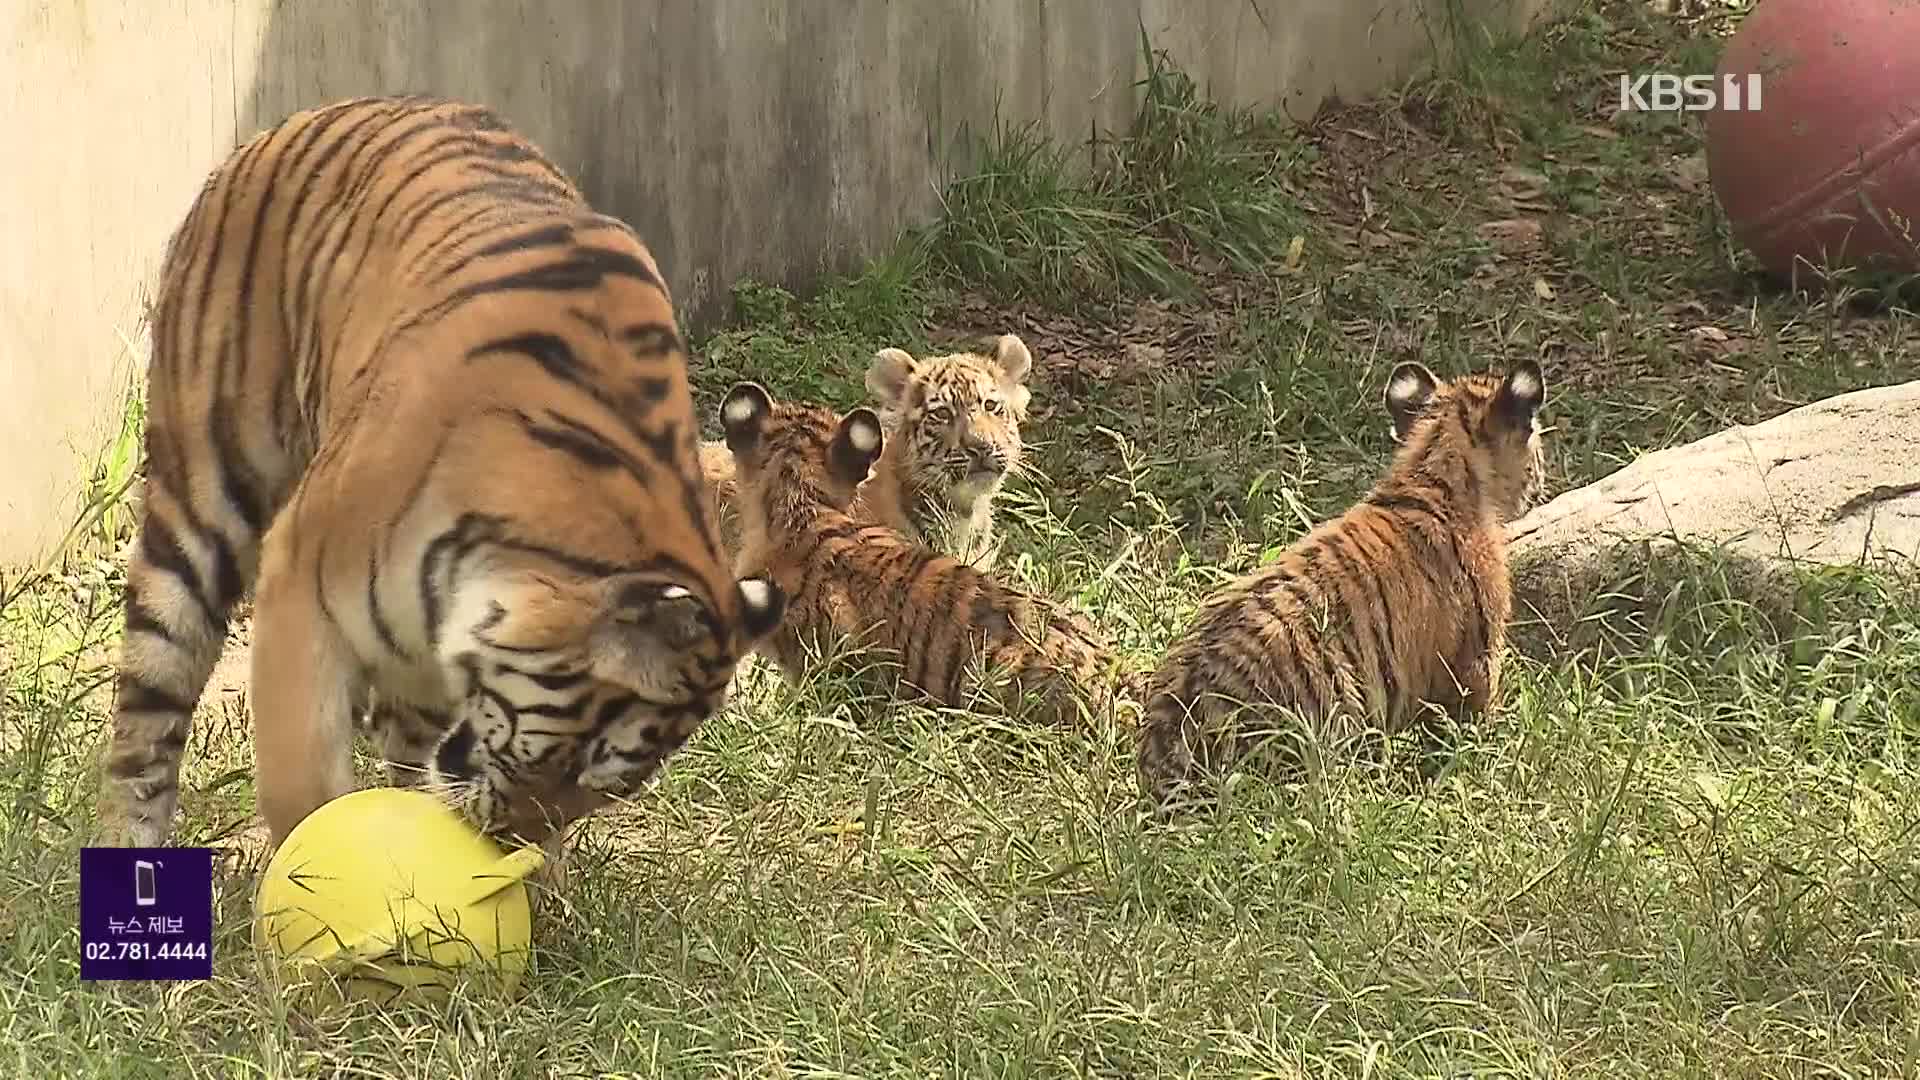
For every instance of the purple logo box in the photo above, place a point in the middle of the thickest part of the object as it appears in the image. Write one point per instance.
(146, 913)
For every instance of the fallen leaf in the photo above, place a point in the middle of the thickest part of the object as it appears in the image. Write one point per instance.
(1295, 248)
(1690, 173)
(1712, 342)
(1712, 789)
(1511, 232)
(1523, 182)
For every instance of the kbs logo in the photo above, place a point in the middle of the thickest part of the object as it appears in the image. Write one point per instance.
(1690, 93)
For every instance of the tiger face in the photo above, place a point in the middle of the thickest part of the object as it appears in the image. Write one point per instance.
(578, 690)
(1506, 448)
(954, 420)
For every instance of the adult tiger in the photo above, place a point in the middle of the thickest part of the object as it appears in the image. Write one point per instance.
(411, 390)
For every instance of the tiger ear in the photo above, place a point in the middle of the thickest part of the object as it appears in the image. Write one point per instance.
(743, 414)
(856, 445)
(762, 604)
(1016, 363)
(889, 375)
(669, 611)
(644, 626)
(1013, 356)
(1409, 389)
(1521, 395)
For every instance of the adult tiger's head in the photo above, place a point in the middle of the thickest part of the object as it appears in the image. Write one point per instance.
(578, 684)
(793, 457)
(955, 419)
(1497, 417)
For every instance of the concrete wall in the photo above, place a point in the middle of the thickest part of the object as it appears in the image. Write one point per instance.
(777, 138)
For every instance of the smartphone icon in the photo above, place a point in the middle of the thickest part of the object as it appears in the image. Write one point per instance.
(144, 894)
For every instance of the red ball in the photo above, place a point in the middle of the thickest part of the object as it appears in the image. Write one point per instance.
(1827, 169)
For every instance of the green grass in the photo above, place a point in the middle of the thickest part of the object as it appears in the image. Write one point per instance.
(1189, 178)
(1685, 846)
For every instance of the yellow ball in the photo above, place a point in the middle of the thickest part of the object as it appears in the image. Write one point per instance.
(390, 891)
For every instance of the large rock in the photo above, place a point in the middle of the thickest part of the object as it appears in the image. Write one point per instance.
(1829, 482)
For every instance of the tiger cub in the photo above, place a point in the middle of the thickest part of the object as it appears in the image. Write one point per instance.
(953, 437)
(410, 390)
(945, 623)
(1400, 603)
